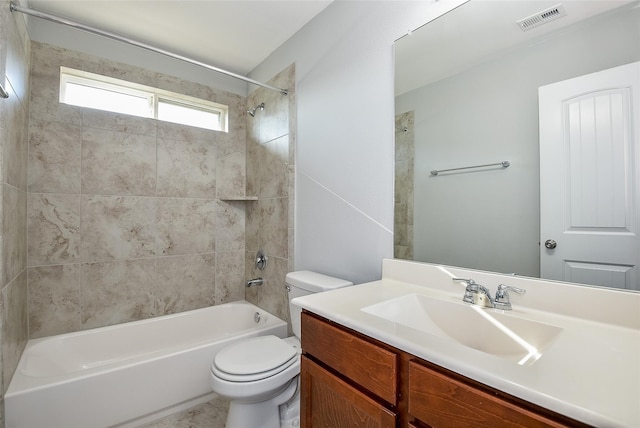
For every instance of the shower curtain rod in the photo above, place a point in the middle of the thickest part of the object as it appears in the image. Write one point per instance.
(17, 8)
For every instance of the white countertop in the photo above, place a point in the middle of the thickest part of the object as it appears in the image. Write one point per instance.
(591, 371)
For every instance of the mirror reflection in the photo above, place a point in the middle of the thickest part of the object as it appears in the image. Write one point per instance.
(467, 94)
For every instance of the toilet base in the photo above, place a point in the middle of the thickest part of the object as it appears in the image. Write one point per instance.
(263, 414)
(290, 411)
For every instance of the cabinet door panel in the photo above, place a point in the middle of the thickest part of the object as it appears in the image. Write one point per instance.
(441, 401)
(329, 402)
(365, 363)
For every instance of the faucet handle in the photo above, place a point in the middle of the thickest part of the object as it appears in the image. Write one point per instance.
(472, 287)
(502, 300)
(502, 289)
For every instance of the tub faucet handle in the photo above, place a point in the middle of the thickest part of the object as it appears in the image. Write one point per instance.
(261, 260)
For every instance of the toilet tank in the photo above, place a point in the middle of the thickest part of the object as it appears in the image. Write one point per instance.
(304, 282)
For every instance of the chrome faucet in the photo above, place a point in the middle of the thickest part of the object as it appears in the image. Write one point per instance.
(255, 281)
(480, 295)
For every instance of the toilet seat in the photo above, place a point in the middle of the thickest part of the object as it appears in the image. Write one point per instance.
(254, 359)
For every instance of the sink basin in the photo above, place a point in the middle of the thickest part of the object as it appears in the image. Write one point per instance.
(487, 330)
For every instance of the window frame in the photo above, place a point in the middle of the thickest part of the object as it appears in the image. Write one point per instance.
(153, 95)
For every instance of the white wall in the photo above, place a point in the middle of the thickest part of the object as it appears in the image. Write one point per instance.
(345, 136)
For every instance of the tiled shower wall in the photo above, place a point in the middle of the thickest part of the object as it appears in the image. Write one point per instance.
(404, 172)
(14, 113)
(124, 216)
(270, 177)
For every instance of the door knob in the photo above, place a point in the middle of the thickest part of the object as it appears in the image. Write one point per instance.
(550, 244)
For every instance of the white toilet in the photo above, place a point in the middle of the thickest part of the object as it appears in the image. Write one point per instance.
(260, 375)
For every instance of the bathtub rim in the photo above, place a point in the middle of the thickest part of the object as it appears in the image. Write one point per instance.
(22, 383)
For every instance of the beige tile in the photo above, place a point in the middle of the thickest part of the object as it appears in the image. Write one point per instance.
(232, 141)
(230, 175)
(268, 168)
(185, 283)
(14, 324)
(212, 414)
(15, 143)
(267, 225)
(230, 224)
(14, 226)
(403, 191)
(118, 163)
(273, 121)
(186, 226)
(237, 122)
(291, 194)
(181, 86)
(45, 85)
(48, 59)
(236, 103)
(54, 157)
(117, 292)
(53, 229)
(119, 70)
(54, 300)
(18, 55)
(230, 278)
(175, 131)
(187, 168)
(4, 125)
(118, 227)
(403, 181)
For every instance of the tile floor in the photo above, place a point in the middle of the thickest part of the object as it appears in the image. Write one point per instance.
(207, 415)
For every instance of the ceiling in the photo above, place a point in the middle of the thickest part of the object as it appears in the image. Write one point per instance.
(477, 31)
(236, 35)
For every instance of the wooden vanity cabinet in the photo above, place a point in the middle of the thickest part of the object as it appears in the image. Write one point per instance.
(349, 380)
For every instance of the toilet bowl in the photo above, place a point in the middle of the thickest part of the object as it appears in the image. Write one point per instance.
(260, 375)
(255, 369)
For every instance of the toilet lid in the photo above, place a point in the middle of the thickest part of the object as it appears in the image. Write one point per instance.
(254, 356)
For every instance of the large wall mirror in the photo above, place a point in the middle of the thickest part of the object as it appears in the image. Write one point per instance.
(467, 95)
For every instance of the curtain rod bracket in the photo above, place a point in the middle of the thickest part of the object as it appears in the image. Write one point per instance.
(42, 15)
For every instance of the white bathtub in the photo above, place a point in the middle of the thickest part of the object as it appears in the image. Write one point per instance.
(127, 374)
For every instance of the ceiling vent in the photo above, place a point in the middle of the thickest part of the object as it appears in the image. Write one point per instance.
(542, 17)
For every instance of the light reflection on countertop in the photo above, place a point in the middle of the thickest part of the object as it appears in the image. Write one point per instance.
(589, 369)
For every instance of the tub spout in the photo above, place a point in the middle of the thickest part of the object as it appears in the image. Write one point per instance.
(255, 281)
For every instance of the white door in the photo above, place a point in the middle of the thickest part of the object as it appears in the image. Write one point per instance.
(590, 178)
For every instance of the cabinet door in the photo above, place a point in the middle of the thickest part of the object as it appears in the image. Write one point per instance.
(440, 401)
(359, 360)
(329, 402)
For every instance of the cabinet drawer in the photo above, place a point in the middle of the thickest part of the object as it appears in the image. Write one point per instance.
(438, 400)
(365, 363)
